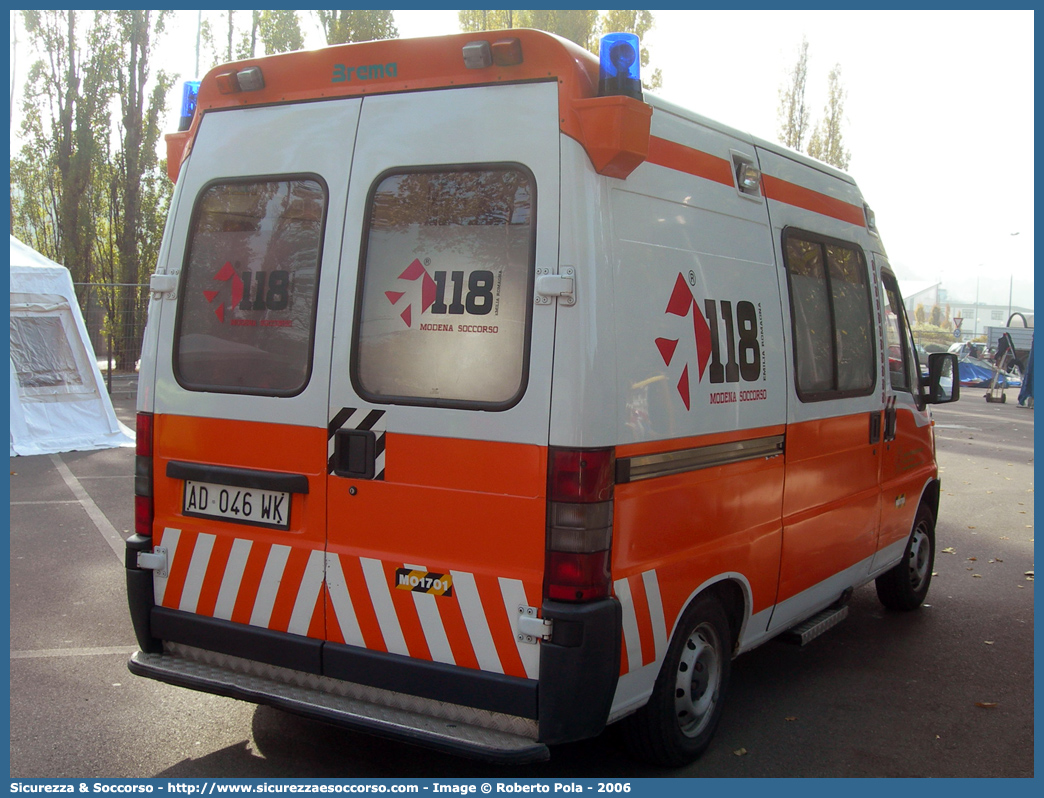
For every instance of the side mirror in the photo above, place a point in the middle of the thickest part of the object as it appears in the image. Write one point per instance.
(944, 383)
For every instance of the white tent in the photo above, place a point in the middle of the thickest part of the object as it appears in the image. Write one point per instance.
(58, 400)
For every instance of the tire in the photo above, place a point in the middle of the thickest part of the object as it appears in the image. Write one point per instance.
(905, 586)
(677, 723)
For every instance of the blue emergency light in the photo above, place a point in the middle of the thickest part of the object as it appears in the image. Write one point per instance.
(619, 68)
(189, 93)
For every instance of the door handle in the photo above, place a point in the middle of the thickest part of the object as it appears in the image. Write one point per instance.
(355, 453)
(890, 420)
(875, 427)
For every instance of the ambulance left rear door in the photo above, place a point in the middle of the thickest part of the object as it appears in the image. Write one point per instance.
(242, 381)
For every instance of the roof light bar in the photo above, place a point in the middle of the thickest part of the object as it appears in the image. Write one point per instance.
(507, 52)
(477, 55)
(249, 79)
(189, 94)
(619, 67)
(503, 52)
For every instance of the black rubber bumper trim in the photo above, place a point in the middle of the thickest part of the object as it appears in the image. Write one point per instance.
(238, 640)
(495, 692)
(579, 669)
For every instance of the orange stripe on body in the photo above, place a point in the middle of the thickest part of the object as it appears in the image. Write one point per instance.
(686, 159)
(676, 156)
(179, 568)
(456, 632)
(641, 613)
(500, 627)
(317, 627)
(248, 587)
(801, 197)
(406, 612)
(365, 614)
(215, 572)
(289, 587)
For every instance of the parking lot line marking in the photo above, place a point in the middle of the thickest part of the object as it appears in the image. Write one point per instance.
(108, 531)
(43, 653)
(55, 501)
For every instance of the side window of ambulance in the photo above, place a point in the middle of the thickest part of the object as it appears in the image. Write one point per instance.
(246, 313)
(444, 303)
(832, 316)
(902, 361)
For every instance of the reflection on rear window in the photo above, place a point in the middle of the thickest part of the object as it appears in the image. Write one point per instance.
(446, 284)
(246, 313)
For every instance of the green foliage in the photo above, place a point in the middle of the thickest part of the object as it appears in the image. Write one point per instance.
(827, 142)
(280, 31)
(342, 27)
(473, 21)
(66, 118)
(87, 189)
(793, 114)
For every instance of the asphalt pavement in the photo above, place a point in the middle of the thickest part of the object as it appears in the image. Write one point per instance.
(946, 691)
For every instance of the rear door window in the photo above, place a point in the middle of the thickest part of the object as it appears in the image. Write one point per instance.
(444, 303)
(246, 316)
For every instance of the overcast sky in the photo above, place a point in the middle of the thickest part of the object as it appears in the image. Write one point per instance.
(939, 118)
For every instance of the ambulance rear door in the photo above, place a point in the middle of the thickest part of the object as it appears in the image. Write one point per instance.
(242, 380)
(441, 385)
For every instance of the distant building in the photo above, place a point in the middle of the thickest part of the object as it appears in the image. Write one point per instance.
(922, 293)
(976, 317)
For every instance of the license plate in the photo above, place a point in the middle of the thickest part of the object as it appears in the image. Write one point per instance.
(270, 508)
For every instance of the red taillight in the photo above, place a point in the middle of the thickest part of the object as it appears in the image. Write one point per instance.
(579, 475)
(143, 506)
(577, 577)
(579, 524)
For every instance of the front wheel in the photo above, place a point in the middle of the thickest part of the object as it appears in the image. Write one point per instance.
(905, 586)
(677, 724)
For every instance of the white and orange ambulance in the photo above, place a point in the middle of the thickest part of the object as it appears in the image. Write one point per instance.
(485, 401)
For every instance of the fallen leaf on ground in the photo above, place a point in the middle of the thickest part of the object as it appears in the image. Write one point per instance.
(972, 559)
(790, 717)
(976, 576)
(949, 550)
(740, 752)
(986, 704)
(988, 642)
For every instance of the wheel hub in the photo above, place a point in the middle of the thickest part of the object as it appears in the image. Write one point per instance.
(698, 680)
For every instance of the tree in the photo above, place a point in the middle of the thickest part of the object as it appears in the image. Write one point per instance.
(137, 159)
(280, 31)
(342, 27)
(827, 143)
(793, 115)
(576, 25)
(66, 119)
(486, 20)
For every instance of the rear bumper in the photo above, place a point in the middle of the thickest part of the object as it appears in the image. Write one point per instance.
(464, 731)
(467, 712)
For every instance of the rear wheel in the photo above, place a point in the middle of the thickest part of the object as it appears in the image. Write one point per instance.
(905, 586)
(677, 724)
